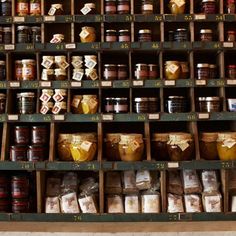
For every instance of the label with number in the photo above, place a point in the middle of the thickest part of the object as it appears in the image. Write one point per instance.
(76, 84)
(228, 44)
(45, 84)
(49, 18)
(108, 117)
(138, 83)
(173, 165)
(201, 82)
(203, 116)
(15, 84)
(106, 83)
(13, 117)
(59, 117)
(70, 46)
(170, 83)
(153, 116)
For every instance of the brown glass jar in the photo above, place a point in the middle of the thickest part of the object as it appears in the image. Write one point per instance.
(172, 70)
(159, 146)
(209, 6)
(206, 35)
(28, 69)
(231, 36)
(109, 105)
(22, 135)
(110, 7)
(111, 36)
(4, 205)
(152, 71)
(184, 69)
(26, 103)
(145, 35)
(141, 71)
(124, 35)
(2, 103)
(5, 8)
(209, 104)
(60, 74)
(23, 34)
(110, 72)
(22, 7)
(47, 74)
(212, 71)
(147, 7)
(208, 146)
(7, 35)
(36, 153)
(123, 6)
(141, 105)
(18, 153)
(232, 71)
(112, 146)
(180, 147)
(122, 72)
(39, 135)
(203, 71)
(121, 105)
(20, 205)
(20, 186)
(231, 6)
(4, 187)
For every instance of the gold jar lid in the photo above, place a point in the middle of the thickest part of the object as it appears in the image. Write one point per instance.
(64, 138)
(127, 138)
(85, 97)
(57, 6)
(160, 137)
(209, 137)
(208, 99)
(48, 91)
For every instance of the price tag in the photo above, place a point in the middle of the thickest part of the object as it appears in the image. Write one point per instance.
(228, 44)
(203, 116)
(173, 165)
(106, 83)
(49, 18)
(170, 83)
(108, 117)
(138, 83)
(154, 116)
(200, 17)
(19, 19)
(13, 117)
(201, 82)
(231, 82)
(76, 84)
(59, 117)
(46, 84)
(15, 84)
(9, 47)
(70, 46)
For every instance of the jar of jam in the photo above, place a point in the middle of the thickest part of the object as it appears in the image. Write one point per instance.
(89, 104)
(83, 146)
(110, 72)
(78, 74)
(47, 74)
(184, 70)
(231, 36)
(159, 146)
(5, 9)
(203, 71)
(209, 6)
(20, 186)
(77, 62)
(60, 95)
(4, 187)
(60, 62)
(123, 6)
(36, 34)
(2, 103)
(4, 205)
(22, 7)
(232, 71)
(209, 104)
(36, 153)
(23, 34)
(231, 6)
(141, 71)
(206, 35)
(131, 147)
(2, 70)
(152, 71)
(26, 103)
(39, 135)
(172, 70)
(147, 7)
(57, 38)
(76, 106)
(121, 105)
(91, 74)
(212, 71)
(60, 74)
(112, 146)
(226, 146)
(141, 105)
(109, 105)
(111, 36)
(28, 69)
(20, 206)
(122, 72)
(208, 146)
(48, 62)
(35, 7)
(176, 104)
(56, 9)
(63, 147)
(87, 35)
(181, 35)
(18, 153)
(177, 7)
(145, 35)
(124, 35)
(7, 35)
(59, 108)
(47, 95)
(110, 7)
(22, 135)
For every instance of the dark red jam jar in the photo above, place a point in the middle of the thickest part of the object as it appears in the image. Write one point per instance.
(20, 205)
(20, 186)
(39, 135)
(18, 153)
(22, 135)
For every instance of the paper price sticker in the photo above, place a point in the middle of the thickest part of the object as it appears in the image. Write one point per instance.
(14, 84)
(228, 44)
(9, 47)
(107, 117)
(76, 84)
(46, 84)
(138, 83)
(173, 165)
(85, 10)
(154, 116)
(59, 117)
(86, 145)
(170, 83)
(201, 82)
(106, 83)
(49, 18)
(19, 19)
(203, 116)
(13, 117)
(231, 82)
(70, 46)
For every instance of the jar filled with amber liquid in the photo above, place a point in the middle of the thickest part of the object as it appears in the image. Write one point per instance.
(208, 146)
(112, 146)
(177, 6)
(159, 146)
(63, 147)
(172, 70)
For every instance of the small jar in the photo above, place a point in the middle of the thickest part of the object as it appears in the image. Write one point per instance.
(77, 62)
(87, 35)
(177, 7)
(63, 147)
(39, 135)
(109, 105)
(124, 35)
(60, 74)
(123, 6)
(22, 7)
(4, 205)
(36, 153)
(209, 104)
(59, 108)
(18, 153)
(206, 35)
(232, 71)
(2, 103)
(180, 147)
(35, 7)
(121, 105)
(209, 6)
(112, 146)
(110, 72)
(56, 9)
(111, 36)
(110, 7)
(141, 105)
(122, 72)
(60, 95)
(231, 6)
(23, 34)
(89, 104)
(172, 70)
(4, 187)
(152, 71)
(60, 62)
(36, 34)
(176, 104)
(48, 62)
(47, 74)
(2, 70)
(203, 71)
(5, 8)
(26, 103)
(131, 147)
(181, 35)
(159, 146)
(46, 108)
(78, 74)
(141, 71)
(91, 74)
(145, 35)
(212, 71)
(20, 186)
(184, 70)
(47, 95)
(20, 206)
(22, 135)
(28, 69)
(89, 8)
(231, 36)
(153, 104)
(57, 38)
(208, 146)
(147, 7)
(7, 35)
(76, 106)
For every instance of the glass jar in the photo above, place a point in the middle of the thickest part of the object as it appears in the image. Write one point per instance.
(4, 205)
(77, 62)
(111, 36)
(141, 71)
(206, 35)
(141, 105)
(63, 147)
(209, 6)
(57, 38)
(89, 8)
(76, 106)
(26, 103)
(1, 35)
(147, 7)
(209, 104)
(152, 71)
(226, 146)
(89, 104)
(39, 135)
(176, 104)
(28, 69)
(23, 34)
(231, 36)
(212, 71)
(20, 206)
(56, 9)
(35, 7)
(2, 103)
(231, 6)
(208, 146)
(124, 35)
(131, 147)
(181, 35)
(4, 187)
(184, 70)
(18, 153)
(112, 146)
(5, 8)
(121, 105)
(110, 7)
(145, 35)
(47, 95)
(60, 62)
(203, 71)
(171, 35)
(22, 7)
(36, 34)
(87, 35)
(2, 70)
(60, 95)
(20, 186)
(123, 6)
(109, 105)
(172, 70)
(232, 71)
(177, 7)
(36, 153)
(159, 146)
(48, 62)
(83, 146)
(180, 147)
(59, 108)
(22, 135)
(122, 72)
(78, 74)
(60, 74)
(47, 74)
(91, 74)
(110, 72)
(7, 35)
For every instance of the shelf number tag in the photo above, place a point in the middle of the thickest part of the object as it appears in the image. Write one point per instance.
(231, 82)
(154, 116)
(228, 44)
(46, 84)
(201, 82)
(200, 17)
(13, 117)
(170, 83)
(19, 19)
(59, 117)
(70, 46)
(108, 117)
(49, 18)
(203, 116)
(9, 47)
(76, 84)
(106, 83)
(173, 165)
(138, 83)
(15, 84)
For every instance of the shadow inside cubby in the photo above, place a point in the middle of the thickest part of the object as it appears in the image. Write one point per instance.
(215, 27)
(79, 4)
(167, 7)
(66, 5)
(230, 61)
(230, 97)
(138, 6)
(3, 70)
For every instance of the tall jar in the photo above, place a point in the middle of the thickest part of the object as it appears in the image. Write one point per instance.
(39, 135)
(184, 70)
(35, 7)
(89, 104)
(159, 146)
(177, 7)
(231, 6)
(141, 71)
(209, 6)
(172, 70)
(203, 71)
(180, 147)
(112, 146)
(131, 147)
(63, 147)
(110, 7)
(36, 34)
(22, 7)
(22, 135)
(26, 103)
(28, 70)
(226, 146)
(23, 34)
(147, 7)
(6, 7)
(20, 186)
(208, 146)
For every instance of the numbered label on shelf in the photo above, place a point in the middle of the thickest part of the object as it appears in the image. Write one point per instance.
(173, 165)
(15, 84)
(228, 44)
(70, 46)
(13, 117)
(108, 117)
(9, 47)
(19, 19)
(200, 17)
(201, 82)
(138, 83)
(231, 82)
(170, 83)
(203, 116)
(76, 84)
(154, 116)
(49, 18)
(106, 83)
(46, 84)
(59, 117)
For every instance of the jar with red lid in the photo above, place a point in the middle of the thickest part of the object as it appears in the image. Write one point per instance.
(22, 135)
(110, 7)
(123, 6)
(232, 71)
(20, 205)
(20, 186)
(231, 36)
(36, 153)
(5, 205)
(18, 153)
(39, 135)
(231, 6)
(4, 187)
(209, 6)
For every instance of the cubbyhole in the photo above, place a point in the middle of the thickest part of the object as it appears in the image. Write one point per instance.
(198, 26)
(154, 27)
(167, 7)
(80, 4)
(3, 67)
(138, 7)
(198, 6)
(117, 27)
(66, 5)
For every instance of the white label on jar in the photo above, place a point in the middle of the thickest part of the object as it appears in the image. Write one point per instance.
(124, 38)
(63, 64)
(78, 76)
(23, 6)
(179, 3)
(85, 10)
(47, 63)
(27, 72)
(84, 34)
(213, 203)
(35, 6)
(77, 64)
(76, 102)
(150, 204)
(86, 145)
(56, 109)
(58, 97)
(229, 143)
(52, 11)
(45, 97)
(90, 64)
(123, 8)
(183, 146)
(44, 109)
(134, 145)
(148, 7)
(121, 108)
(173, 68)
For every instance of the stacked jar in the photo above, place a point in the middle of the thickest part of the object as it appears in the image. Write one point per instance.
(145, 71)
(230, 6)
(175, 70)
(122, 35)
(115, 72)
(146, 104)
(28, 7)
(206, 71)
(117, 7)
(87, 34)
(25, 70)
(53, 102)
(116, 105)
(209, 104)
(26, 103)
(89, 8)
(177, 7)
(4, 194)
(27, 34)
(29, 143)
(2, 70)
(231, 71)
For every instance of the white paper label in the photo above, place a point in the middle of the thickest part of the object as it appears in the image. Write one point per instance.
(200, 17)
(9, 47)
(49, 18)
(231, 82)
(229, 143)
(173, 165)
(106, 83)
(201, 82)
(138, 83)
(19, 19)
(45, 97)
(90, 64)
(135, 145)
(204, 116)
(183, 146)
(84, 34)
(85, 10)
(148, 7)
(107, 117)
(190, 179)
(173, 68)
(13, 117)
(70, 46)
(59, 117)
(14, 84)
(86, 145)
(78, 76)
(170, 83)
(153, 116)
(228, 44)
(45, 84)
(179, 3)
(76, 84)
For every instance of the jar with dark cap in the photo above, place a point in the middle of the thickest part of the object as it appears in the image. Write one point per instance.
(109, 104)
(36, 34)
(26, 103)
(7, 35)
(145, 35)
(176, 104)
(181, 35)
(5, 8)
(111, 36)
(20, 186)
(110, 7)
(232, 71)
(121, 105)
(22, 135)
(209, 6)
(110, 72)
(122, 72)
(206, 35)
(23, 34)
(203, 71)
(124, 35)
(2, 70)
(18, 153)
(147, 7)
(208, 146)
(159, 146)
(209, 104)
(39, 135)
(123, 6)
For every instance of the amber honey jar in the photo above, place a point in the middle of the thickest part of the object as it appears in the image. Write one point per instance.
(22, 135)
(159, 146)
(28, 69)
(177, 6)
(112, 146)
(87, 34)
(39, 135)
(63, 147)
(18, 69)
(20, 186)
(172, 70)
(208, 146)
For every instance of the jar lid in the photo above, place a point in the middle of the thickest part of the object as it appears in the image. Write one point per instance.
(64, 137)
(208, 99)
(56, 6)
(202, 65)
(31, 95)
(212, 66)
(111, 31)
(232, 66)
(6, 29)
(177, 137)
(153, 99)
(109, 99)
(209, 137)
(176, 97)
(23, 27)
(231, 32)
(124, 31)
(141, 99)
(121, 65)
(145, 31)
(59, 36)
(226, 135)
(90, 5)
(88, 28)
(110, 65)
(2, 63)
(120, 99)
(25, 61)
(162, 137)
(208, 1)
(113, 137)
(181, 29)
(206, 31)
(127, 138)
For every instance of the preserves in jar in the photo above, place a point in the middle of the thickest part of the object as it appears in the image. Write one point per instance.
(111, 36)
(22, 135)
(141, 71)
(22, 7)
(145, 35)
(122, 73)
(87, 34)
(110, 72)
(177, 6)
(23, 34)
(20, 186)
(208, 146)
(112, 146)
(7, 35)
(124, 35)
(159, 146)
(5, 9)
(232, 71)
(123, 6)
(203, 71)
(121, 105)
(231, 36)
(63, 147)
(35, 7)
(89, 104)
(18, 153)
(28, 69)
(176, 104)
(2, 70)
(20, 206)
(231, 6)
(26, 103)
(172, 70)
(206, 35)
(209, 6)
(39, 135)
(147, 7)
(36, 153)
(209, 104)
(110, 7)
(181, 35)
